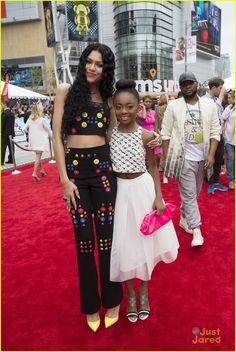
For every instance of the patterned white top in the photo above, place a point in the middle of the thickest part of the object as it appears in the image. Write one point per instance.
(127, 151)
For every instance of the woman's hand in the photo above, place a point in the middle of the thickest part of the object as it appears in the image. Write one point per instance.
(70, 191)
(156, 142)
(159, 206)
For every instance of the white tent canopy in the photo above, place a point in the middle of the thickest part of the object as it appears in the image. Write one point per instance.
(18, 92)
(229, 82)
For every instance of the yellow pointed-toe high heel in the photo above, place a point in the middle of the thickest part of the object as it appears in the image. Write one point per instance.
(94, 325)
(110, 321)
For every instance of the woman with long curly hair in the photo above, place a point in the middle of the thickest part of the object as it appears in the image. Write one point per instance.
(83, 116)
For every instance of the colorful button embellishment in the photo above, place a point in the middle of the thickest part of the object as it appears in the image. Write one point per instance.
(84, 124)
(100, 124)
(86, 246)
(104, 244)
(96, 161)
(84, 114)
(99, 115)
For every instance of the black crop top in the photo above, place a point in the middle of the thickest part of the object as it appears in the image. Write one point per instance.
(94, 120)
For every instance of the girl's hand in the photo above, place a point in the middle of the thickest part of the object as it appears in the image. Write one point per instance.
(156, 142)
(159, 206)
(70, 191)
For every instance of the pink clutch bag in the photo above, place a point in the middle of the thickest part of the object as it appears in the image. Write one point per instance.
(152, 222)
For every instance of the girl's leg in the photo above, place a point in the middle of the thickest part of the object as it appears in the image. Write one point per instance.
(131, 310)
(144, 308)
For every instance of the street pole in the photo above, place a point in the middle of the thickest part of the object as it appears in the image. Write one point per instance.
(185, 51)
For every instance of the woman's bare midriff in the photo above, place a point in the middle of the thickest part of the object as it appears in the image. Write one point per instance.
(129, 176)
(84, 141)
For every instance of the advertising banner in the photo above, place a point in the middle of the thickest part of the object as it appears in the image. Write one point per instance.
(5, 88)
(82, 21)
(180, 50)
(189, 51)
(206, 25)
(49, 9)
(19, 130)
(3, 10)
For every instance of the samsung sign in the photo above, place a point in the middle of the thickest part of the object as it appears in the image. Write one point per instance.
(157, 86)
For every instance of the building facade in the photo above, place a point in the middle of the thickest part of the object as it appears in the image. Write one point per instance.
(142, 34)
(25, 55)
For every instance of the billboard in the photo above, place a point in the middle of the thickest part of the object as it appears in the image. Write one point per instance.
(82, 20)
(206, 26)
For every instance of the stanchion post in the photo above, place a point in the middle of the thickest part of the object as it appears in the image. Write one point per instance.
(51, 155)
(15, 172)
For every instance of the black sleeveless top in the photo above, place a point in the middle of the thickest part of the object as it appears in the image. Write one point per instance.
(94, 120)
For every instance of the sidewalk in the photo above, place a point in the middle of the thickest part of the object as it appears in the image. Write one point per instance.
(23, 157)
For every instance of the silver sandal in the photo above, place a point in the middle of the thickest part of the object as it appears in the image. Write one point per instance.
(133, 315)
(143, 313)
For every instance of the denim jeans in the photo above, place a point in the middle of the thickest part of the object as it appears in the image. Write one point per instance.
(230, 156)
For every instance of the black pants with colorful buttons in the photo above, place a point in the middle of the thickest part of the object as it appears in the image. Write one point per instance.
(91, 171)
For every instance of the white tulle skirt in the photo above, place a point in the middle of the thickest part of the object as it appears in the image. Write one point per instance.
(133, 254)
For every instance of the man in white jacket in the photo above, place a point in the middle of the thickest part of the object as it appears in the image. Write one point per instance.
(190, 135)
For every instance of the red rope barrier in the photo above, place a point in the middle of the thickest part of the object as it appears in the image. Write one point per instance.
(19, 146)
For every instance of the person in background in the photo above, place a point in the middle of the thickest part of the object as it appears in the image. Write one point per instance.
(228, 123)
(190, 135)
(39, 134)
(133, 255)
(201, 91)
(216, 93)
(146, 118)
(159, 114)
(146, 115)
(7, 130)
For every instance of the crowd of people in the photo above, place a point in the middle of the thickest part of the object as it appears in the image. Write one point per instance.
(110, 148)
(13, 110)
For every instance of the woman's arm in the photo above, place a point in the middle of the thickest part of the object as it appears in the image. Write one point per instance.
(69, 189)
(26, 126)
(113, 120)
(46, 127)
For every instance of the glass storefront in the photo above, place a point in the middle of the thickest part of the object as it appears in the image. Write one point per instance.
(144, 39)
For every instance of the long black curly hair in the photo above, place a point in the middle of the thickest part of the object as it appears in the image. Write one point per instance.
(78, 96)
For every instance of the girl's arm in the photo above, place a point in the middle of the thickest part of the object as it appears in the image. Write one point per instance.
(153, 170)
(46, 127)
(142, 113)
(69, 189)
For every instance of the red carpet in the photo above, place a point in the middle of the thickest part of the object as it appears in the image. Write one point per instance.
(40, 293)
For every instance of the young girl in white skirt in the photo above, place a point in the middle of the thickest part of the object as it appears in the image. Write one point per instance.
(133, 254)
